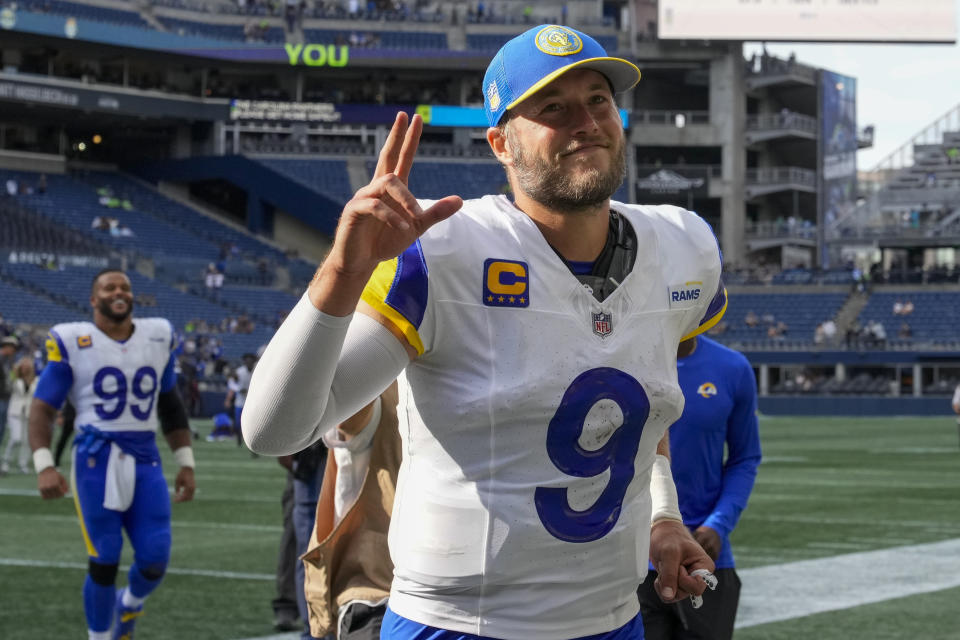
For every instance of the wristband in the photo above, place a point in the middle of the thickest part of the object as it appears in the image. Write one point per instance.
(663, 492)
(184, 457)
(42, 459)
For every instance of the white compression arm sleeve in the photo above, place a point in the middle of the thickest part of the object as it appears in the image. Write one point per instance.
(663, 492)
(317, 371)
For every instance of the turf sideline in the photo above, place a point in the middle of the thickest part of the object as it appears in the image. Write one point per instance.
(799, 589)
(228, 575)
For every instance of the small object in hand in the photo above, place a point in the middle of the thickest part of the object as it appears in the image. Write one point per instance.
(709, 579)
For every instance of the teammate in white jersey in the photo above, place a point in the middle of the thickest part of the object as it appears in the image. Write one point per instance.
(118, 373)
(535, 342)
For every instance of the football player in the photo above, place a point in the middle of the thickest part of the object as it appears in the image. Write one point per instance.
(536, 343)
(118, 373)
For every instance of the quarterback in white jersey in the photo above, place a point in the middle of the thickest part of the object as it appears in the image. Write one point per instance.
(119, 376)
(532, 407)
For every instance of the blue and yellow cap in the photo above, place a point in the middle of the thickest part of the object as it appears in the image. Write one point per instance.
(537, 57)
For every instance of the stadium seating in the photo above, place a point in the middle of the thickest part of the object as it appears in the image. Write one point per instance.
(326, 176)
(934, 317)
(801, 313)
(493, 41)
(380, 39)
(432, 180)
(265, 305)
(20, 305)
(273, 34)
(86, 11)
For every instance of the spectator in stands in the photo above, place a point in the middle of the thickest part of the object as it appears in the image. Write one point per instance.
(719, 329)
(767, 318)
(818, 338)
(12, 187)
(953, 155)
(121, 230)
(905, 332)
(898, 307)
(907, 308)
(751, 319)
(42, 183)
(877, 334)
(213, 281)
(244, 324)
(829, 331)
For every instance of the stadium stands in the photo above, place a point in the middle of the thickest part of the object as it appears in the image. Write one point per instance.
(326, 176)
(493, 41)
(21, 305)
(432, 180)
(86, 11)
(800, 313)
(934, 316)
(379, 39)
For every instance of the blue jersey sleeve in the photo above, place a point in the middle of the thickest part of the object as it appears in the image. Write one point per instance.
(54, 383)
(743, 456)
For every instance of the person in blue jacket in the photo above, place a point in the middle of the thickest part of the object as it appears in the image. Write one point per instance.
(721, 410)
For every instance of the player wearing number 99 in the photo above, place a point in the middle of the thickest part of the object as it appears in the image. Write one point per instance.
(118, 373)
(535, 343)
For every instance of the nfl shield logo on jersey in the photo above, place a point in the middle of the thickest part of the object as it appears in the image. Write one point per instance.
(602, 324)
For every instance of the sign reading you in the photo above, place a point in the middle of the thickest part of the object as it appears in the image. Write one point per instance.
(318, 55)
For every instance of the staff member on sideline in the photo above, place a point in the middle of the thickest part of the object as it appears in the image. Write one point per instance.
(721, 409)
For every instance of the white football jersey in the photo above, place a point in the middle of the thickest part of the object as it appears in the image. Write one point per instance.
(530, 421)
(115, 384)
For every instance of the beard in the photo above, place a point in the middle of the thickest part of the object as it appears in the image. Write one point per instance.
(106, 309)
(562, 191)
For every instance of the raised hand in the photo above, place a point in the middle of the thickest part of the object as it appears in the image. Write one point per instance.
(383, 218)
(378, 223)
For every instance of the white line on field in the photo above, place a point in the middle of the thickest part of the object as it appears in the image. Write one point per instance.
(804, 588)
(199, 496)
(186, 524)
(228, 575)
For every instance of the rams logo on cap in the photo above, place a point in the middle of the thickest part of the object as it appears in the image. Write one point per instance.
(707, 390)
(558, 41)
(506, 283)
(493, 96)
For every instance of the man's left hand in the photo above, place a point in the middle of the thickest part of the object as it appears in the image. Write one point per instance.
(710, 540)
(675, 555)
(184, 485)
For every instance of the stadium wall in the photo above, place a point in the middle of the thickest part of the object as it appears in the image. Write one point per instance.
(854, 406)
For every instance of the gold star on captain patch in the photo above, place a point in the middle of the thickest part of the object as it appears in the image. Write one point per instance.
(500, 299)
(512, 299)
(489, 298)
(522, 300)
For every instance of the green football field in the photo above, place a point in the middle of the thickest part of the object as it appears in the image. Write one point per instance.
(887, 489)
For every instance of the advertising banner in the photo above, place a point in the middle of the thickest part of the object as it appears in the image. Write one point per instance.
(804, 20)
(838, 149)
